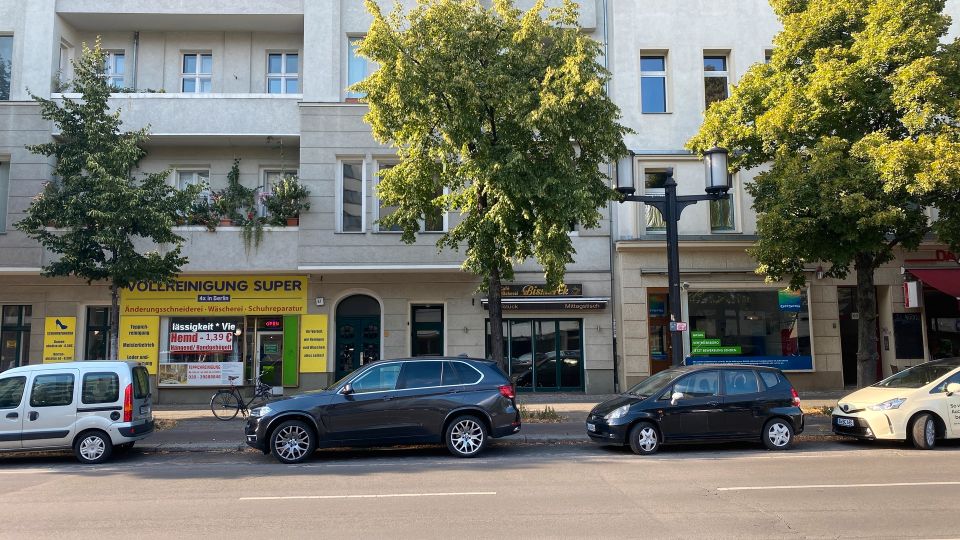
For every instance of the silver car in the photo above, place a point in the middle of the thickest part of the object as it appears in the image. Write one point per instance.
(92, 408)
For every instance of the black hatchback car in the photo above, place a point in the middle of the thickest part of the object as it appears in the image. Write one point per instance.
(461, 402)
(701, 403)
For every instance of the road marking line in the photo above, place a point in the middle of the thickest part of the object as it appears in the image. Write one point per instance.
(838, 486)
(373, 496)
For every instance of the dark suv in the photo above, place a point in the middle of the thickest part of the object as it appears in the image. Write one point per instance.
(701, 403)
(457, 401)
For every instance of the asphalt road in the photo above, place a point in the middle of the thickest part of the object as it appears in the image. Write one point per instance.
(823, 489)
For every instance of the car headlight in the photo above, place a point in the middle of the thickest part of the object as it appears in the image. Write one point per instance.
(619, 412)
(261, 411)
(894, 403)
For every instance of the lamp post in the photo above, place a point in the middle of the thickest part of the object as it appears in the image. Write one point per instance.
(671, 206)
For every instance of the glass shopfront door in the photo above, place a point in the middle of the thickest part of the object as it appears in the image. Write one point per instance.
(270, 357)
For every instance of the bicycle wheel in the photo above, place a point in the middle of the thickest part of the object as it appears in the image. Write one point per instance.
(225, 405)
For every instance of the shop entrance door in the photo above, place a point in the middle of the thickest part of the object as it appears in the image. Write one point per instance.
(270, 357)
(849, 335)
(358, 343)
(658, 327)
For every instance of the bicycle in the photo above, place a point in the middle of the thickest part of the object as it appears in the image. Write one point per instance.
(227, 402)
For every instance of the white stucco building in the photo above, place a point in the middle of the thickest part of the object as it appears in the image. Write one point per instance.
(265, 82)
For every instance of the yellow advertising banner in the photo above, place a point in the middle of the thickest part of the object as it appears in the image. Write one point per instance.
(140, 340)
(313, 344)
(59, 339)
(217, 295)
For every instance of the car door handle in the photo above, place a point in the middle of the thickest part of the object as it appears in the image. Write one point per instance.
(387, 398)
(13, 416)
(713, 404)
(33, 415)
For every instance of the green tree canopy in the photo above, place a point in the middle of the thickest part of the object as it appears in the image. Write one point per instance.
(854, 119)
(500, 116)
(93, 213)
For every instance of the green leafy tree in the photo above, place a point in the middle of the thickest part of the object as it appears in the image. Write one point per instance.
(855, 117)
(497, 115)
(94, 211)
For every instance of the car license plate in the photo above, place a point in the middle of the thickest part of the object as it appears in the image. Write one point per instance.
(591, 427)
(845, 422)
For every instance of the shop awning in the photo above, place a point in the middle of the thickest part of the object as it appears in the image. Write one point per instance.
(946, 280)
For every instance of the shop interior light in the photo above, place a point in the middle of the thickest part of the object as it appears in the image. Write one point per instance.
(238, 331)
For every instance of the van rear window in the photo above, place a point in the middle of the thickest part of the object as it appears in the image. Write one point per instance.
(141, 382)
(100, 388)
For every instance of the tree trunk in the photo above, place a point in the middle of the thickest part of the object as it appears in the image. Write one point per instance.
(114, 321)
(495, 308)
(867, 349)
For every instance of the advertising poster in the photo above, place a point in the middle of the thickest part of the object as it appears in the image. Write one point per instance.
(59, 339)
(313, 344)
(201, 374)
(140, 341)
(790, 300)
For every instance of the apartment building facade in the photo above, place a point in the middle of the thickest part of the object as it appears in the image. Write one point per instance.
(670, 60)
(266, 83)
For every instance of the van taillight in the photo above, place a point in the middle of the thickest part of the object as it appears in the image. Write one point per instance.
(128, 404)
(796, 397)
(507, 391)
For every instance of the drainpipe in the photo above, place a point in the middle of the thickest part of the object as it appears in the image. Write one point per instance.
(612, 222)
(136, 50)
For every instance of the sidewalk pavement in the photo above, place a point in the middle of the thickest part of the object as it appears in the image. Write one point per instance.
(194, 429)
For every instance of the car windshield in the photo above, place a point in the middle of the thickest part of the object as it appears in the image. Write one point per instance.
(651, 385)
(917, 376)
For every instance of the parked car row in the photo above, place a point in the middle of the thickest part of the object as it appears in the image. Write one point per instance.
(96, 408)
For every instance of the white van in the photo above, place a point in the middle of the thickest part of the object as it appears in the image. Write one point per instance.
(90, 407)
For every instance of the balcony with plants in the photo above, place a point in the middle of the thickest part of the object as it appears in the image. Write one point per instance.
(252, 216)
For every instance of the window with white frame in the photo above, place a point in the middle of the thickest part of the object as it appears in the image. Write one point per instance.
(654, 182)
(357, 67)
(351, 199)
(6, 66)
(64, 67)
(283, 73)
(115, 68)
(715, 78)
(197, 73)
(194, 177)
(272, 176)
(723, 216)
(382, 210)
(653, 83)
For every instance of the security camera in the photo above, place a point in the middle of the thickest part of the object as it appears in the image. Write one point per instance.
(685, 285)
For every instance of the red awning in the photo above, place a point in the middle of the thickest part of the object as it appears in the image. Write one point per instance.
(946, 280)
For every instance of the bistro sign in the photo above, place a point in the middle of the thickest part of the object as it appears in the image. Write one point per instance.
(540, 289)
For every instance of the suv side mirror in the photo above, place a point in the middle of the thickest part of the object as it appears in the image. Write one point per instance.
(675, 397)
(953, 388)
(347, 389)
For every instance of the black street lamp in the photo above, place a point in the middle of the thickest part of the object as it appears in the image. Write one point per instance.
(671, 206)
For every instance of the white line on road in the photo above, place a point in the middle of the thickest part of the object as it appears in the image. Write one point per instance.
(372, 496)
(838, 486)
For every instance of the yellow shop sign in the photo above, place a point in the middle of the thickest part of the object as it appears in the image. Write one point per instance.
(217, 295)
(59, 339)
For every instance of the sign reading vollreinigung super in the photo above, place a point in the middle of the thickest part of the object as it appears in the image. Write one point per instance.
(217, 295)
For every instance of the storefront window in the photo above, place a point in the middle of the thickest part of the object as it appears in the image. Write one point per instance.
(765, 327)
(943, 324)
(15, 336)
(97, 340)
(543, 354)
(201, 351)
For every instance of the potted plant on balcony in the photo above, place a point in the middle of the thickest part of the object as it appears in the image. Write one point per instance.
(234, 202)
(202, 212)
(288, 198)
